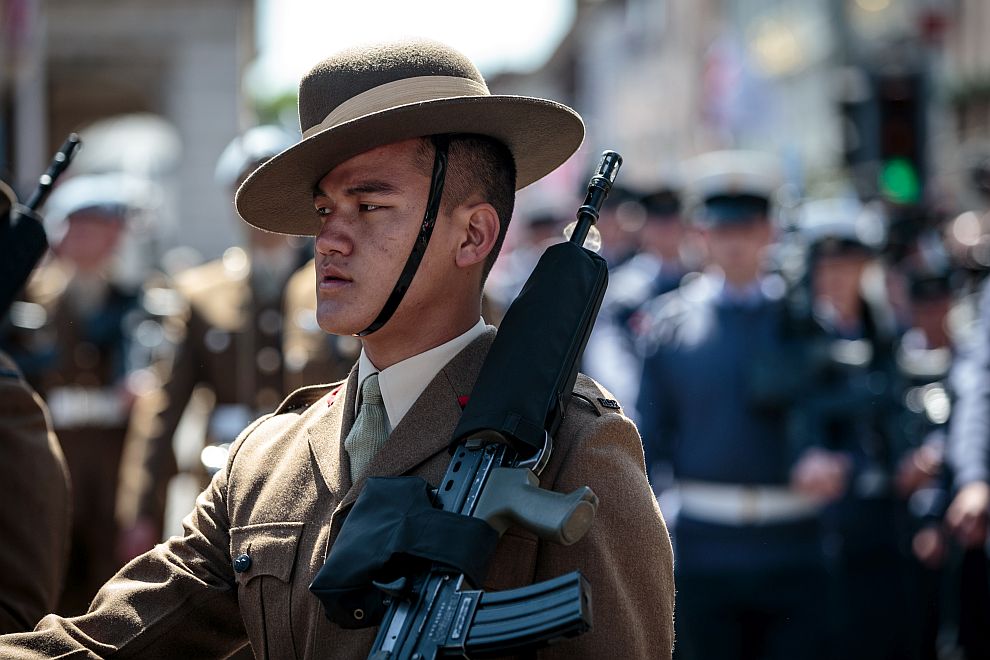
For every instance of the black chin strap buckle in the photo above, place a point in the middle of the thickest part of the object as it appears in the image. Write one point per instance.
(440, 144)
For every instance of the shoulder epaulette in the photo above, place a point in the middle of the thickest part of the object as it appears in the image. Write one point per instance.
(597, 397)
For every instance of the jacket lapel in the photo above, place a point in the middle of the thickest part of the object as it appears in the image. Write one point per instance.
(426, 429)
(326, 437)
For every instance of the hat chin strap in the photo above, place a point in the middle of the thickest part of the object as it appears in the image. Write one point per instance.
(440, 144)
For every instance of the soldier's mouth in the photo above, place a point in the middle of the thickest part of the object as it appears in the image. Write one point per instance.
(329, 282)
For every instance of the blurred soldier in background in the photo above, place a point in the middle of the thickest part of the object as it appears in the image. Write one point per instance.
(232, 344)
(925, 356)
(853, 400)
(34, 485)
(968, 457)
(537, 230)
(72, 337)
(656, 269)
(750, 570)
(620, 223)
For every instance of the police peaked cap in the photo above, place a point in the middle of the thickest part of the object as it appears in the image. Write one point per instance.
(841, 223)
(250, 149)
(725, 187)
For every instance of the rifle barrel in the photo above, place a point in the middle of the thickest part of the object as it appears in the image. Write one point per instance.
(598, 189)
(58, 165)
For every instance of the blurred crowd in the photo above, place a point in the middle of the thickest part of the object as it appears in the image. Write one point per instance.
(811, 379)
(809, 376)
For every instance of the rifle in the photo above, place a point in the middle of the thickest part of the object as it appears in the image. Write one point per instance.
(22, 232)
(426, 598)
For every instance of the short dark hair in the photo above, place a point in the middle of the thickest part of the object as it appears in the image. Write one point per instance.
(477, 163)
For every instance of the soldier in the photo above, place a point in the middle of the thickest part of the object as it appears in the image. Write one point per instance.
(750, 570)
(232, 344)
(366, 180)
(538, 230)
(658, 268)
(968, 456)
(73, 338)
(856, 403)
(34, 485)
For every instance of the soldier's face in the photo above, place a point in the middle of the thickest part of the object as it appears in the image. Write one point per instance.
(90, 240)
(737, 248)
(371, 208)
(840, 276)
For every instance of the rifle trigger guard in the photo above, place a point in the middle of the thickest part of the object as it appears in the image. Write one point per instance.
(539, 461)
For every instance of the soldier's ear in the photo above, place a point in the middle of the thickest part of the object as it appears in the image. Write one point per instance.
(480, 225)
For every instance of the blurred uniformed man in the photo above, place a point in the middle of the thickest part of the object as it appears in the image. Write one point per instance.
(232, 343)
(72, 336)
(656, 269)
(749, 567)
(34, 485)
(538, 229)
(866, 526)
(968, 455)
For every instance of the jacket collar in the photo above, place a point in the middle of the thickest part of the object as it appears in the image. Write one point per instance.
(424, 431)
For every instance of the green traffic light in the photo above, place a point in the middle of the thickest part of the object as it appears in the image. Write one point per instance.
(899, 181)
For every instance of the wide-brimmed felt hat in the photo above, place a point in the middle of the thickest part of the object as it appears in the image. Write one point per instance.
(367, 97)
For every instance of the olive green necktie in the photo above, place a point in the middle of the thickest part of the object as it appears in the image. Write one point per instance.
(370, 430)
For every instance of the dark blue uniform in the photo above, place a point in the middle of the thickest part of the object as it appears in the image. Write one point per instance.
(611, 356)
(749, 587)
(968, 457)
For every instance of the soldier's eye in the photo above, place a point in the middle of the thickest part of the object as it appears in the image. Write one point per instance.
(322, 211)
(369, 207)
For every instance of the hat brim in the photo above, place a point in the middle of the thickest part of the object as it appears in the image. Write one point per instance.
(541, 135)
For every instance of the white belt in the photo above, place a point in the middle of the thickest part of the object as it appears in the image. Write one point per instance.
(736, 504)
(74, 407)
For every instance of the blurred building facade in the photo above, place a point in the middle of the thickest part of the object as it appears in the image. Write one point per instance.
(832, 88)
(851, 85)
(64, 65)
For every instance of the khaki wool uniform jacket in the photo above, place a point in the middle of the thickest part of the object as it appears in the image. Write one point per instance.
(34, 506)
(282, 500)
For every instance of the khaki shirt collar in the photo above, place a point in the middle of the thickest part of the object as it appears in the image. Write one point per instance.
(404, 382)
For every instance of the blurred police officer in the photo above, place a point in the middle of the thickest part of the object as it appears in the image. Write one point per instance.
(750, 571)
(72, 337)
(538, 229)
(232, 344)
(656, 269)
(968, 456)
(854, 398)
(33, 475)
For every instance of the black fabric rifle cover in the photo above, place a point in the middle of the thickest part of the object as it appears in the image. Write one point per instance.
(393, 530)
(533, 362)
(22, 244)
